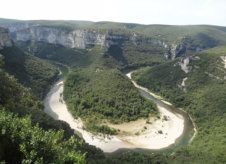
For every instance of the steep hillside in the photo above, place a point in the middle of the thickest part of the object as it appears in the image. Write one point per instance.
(57, 53)
(174, 40)
(100, 92)
(35, 137)
(5, 40)
(199, 87)
(27, 133)
(17, 133)
(19, 99)
(29, 70)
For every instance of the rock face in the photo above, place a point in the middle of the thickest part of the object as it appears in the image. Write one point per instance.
(79, 38)
(175, 50)
(83, 38)
(184, 64)
(5, 40)
(183, 85)
(70, 39)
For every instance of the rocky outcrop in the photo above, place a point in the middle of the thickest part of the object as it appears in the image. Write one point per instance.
(13, 27)
(5, 40)
(223, 60)
(184, 64)
(70, 39)
(83, 38)
(189, 44)
(183, 85)
(79, 38)
(175, 50)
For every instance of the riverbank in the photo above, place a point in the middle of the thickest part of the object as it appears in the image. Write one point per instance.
(56, 108)
(152, 134)
(164, 131)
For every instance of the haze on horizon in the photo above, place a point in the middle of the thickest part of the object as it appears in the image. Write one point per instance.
(174, 12)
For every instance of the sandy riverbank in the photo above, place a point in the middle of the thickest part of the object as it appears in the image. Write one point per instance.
(56, 108)
(160, 133)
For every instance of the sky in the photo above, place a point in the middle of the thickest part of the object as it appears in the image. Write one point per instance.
(176, 12)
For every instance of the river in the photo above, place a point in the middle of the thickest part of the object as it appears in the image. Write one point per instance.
(173, 128)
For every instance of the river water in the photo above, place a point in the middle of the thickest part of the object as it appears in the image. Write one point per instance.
(178, 130)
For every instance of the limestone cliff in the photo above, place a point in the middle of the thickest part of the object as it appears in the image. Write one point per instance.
(83, 38)
(70, 39)
(78, 38)
(176, 41)
(175, 50)
(5, 40)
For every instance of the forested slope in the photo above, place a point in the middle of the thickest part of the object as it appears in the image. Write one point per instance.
(203, 96)
(27, 133)
(29, 70)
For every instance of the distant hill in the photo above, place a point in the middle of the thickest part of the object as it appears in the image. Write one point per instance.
(184, 64)
(174, 41)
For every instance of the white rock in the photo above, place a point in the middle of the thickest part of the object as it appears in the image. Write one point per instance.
(184, 64)
(224, 60)
(79, 38)
(5, 40)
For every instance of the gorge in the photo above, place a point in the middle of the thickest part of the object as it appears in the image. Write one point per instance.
(126, 93)
(170, 129)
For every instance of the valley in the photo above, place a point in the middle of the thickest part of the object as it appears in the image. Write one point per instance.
(105, 92)
(152, 133)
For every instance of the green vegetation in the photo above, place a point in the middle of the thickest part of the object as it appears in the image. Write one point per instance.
(99, 129)
(192, 38)
(131, 157)
(70, 57)
(165, 33)
(21, 100)
(204, 99)
(130, 55)
(168, 85)
(96, 94)
(96, 88)
(28, 135)
(150, 49)
(22, 142)
(31, 71)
